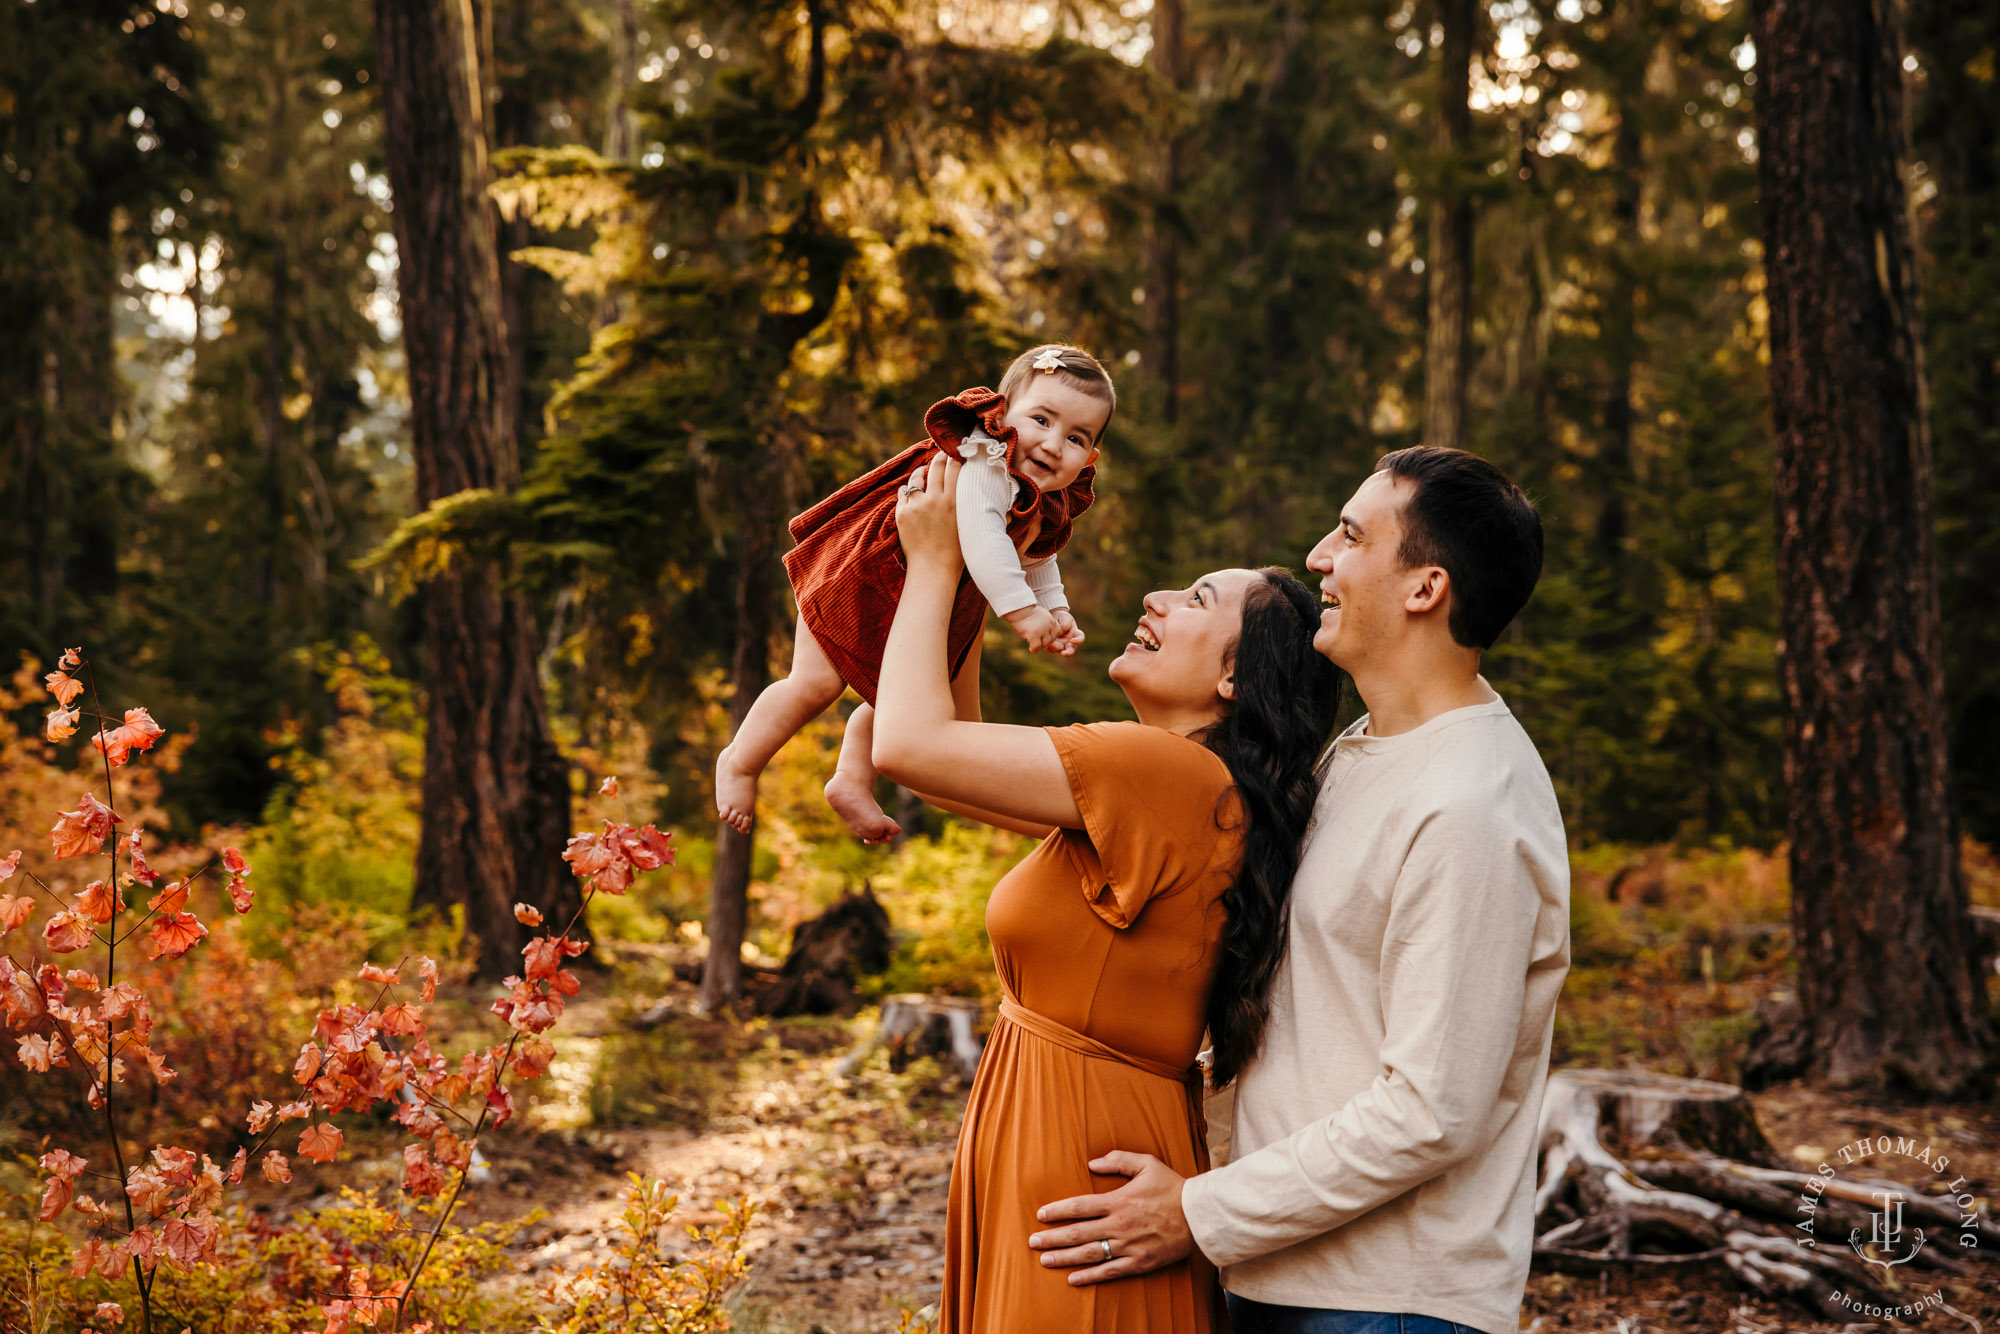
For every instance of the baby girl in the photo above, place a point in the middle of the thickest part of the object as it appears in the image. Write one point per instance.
(1029, 452)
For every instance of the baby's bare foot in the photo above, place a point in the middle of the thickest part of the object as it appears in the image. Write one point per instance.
(854, 803)
(735, 791)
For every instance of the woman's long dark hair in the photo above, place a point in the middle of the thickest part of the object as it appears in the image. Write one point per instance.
(1287, 696)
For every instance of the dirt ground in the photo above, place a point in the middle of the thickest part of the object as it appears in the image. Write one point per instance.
(851, 1178)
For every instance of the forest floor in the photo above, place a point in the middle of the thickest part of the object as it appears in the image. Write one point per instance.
(851, 1175)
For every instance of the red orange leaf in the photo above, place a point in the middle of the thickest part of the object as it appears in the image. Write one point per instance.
(14, 911)
(170, 898)
(174, 934)
(609, 788)
(72, 657)
(427, 970)
(320, 1142)
(9, 864)
(276, 1168)
(60, 725)
(63, 686)
(526, 915)
(141, 872)
(544, 956)
(82, 831)
(233, 861)
(376, 973)
(97, 902)
(67, 932)
(241, 894)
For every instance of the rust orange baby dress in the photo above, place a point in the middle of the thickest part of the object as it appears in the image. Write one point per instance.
(1105, 940)
(847, 569)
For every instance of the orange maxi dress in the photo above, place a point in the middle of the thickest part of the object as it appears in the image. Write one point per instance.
(1105, 939)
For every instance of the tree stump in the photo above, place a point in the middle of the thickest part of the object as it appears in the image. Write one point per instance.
(829, 955)
(915, 1025)
(1700, 1184)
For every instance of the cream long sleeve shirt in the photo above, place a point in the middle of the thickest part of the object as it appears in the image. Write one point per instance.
(985, 497)
(1383, 1140)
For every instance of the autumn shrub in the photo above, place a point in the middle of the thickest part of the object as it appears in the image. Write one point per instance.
(165, 1224)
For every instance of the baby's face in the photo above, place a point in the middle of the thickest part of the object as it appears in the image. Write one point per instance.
(1057, 427)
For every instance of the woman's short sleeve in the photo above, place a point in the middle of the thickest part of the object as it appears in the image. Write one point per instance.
(1156, 808)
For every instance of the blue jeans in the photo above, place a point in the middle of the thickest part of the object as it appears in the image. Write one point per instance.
(1249, 1317)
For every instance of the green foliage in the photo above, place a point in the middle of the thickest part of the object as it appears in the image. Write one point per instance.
(341, 827)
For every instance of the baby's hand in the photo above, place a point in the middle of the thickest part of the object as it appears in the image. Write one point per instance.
(1036, 627)
(1067, 635)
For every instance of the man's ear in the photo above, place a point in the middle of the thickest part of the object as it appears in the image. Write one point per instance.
(1430, 593)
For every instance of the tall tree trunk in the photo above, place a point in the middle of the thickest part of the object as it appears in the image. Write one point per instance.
(1889, 983)
(750, 668)
(1616, 466)
(1162, 243)
(495, 789)
(1448, 338)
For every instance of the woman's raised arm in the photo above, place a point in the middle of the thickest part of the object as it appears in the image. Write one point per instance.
(919, 740)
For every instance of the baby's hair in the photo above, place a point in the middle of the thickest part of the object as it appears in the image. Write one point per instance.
(1072, 366)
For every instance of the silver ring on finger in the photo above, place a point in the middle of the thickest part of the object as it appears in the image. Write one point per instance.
(1105, 1242)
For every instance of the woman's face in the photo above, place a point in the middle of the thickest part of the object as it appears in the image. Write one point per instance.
(1178, 654)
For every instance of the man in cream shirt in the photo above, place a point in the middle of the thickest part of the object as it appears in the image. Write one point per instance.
(1381, 1169)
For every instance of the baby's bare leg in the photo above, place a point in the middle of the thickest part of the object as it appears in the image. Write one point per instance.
(851, 790)
(780, 711)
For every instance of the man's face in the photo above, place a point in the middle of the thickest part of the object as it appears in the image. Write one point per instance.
(1362, 576)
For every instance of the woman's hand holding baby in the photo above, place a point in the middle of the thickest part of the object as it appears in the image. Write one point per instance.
(927, 514)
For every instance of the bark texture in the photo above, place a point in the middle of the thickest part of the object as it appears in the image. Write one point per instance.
(496, 789)
(1888, 978)
(1448, 339)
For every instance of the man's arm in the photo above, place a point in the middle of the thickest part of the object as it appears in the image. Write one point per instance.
(1455, 958)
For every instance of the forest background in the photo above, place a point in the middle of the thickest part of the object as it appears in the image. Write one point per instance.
(749, 242)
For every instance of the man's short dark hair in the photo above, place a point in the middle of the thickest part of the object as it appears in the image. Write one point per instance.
(1468, 517)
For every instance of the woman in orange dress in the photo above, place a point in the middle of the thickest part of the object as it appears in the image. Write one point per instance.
(1153, 909)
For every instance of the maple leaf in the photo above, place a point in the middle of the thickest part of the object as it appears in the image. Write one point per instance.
(526, 915)
(427, 971)
(241, 894)
(97, 902)
(320, 1142)
(60, 724)
(141, 872)
(531, 1058)
(82, 979)
(14, 911)
(177, 1163)
(403, 1021)
(174, 934)
(9, 864)
(68, 932)
(64, 687)
(232, 860)
(39, 1053)
(109, 1313)
(138, 733)
(421, 1176)
(72, 657)
(648, 848)
(82, 831)
(20, 997)
(376, 973)
(609, 787)
(276, 1166)
(170, 898)
(260, 1116)
(544, 956)
(236, 1166)
(63, 1168)
(187, 1240)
